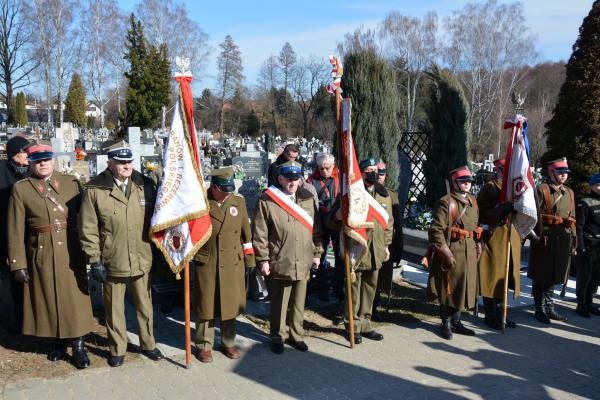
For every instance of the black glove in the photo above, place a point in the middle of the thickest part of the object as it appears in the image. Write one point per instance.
(535, 239)
(99, 272)
(22, 275)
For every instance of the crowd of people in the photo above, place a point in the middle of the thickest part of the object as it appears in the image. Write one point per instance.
(53, 228)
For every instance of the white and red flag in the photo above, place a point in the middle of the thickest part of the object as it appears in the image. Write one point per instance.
(517, 184)
(360, 210)
(181, 221)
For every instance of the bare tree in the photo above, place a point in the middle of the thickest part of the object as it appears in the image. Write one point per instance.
(100, 33)
(231, 73)
(268, 79)
(308, 77)
(413, 42)
(287, 62)
(167, 22)
(17, 62)
(487, 42)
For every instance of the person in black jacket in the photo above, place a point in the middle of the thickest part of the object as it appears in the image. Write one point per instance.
(588, 249)
(15, 168)
(290, 153)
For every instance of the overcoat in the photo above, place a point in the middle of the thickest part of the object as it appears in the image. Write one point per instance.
(220, 289)
(492, 264)
(56, 300)
(549, 263)
(463, 275)
(114, 226)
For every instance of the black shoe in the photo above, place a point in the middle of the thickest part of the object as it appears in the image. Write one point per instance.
(298, 345)
(552, 314)
(116, 361)
(594, 310)
(510, 324)
(357, 338)
(445, 330)
(154, 355)
(377, 316)
(492, 322)
(460, 329)
(372, 335)
(338, 319)
(583, 311)
(541, 316)
(277, 348)
(58, 351)
(80, 357)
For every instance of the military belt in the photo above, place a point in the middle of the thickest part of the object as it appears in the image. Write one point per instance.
(57, 227)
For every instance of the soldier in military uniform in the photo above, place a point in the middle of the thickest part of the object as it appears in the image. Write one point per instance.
(114, 224)
(45, 255)
(454, 236)
(552, 241)
(286, 234)
(220, 267)
(376, 253)
(588, 249)
(492, 265)
(384, 279)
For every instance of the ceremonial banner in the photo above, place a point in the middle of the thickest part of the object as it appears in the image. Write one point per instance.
(517, 184)
(359, 208)
(181, 221)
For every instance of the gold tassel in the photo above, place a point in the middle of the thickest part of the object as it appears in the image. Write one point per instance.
(353, 277)
(178, 276)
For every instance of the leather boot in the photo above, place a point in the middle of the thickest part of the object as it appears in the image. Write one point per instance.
(80, 357)
(445, 329)
(59, 350)
(582, 308)
(541, 316)
(491, 316)
(552, 314)
(509, 323)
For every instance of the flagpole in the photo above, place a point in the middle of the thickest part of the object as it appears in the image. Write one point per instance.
(350, 311)
(186, 300)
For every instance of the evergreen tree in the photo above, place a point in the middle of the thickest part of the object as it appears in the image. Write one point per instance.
(447, 112)
(252, 124)
(574, 130)
(76, 102)
(158, 81)
(137, 111)
(370, 83)
(21, 111)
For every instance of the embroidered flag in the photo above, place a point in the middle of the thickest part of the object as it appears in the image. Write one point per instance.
(181, 221)
(517, 184)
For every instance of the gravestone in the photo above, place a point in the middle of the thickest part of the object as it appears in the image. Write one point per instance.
(138, 148)
(249, 190)
(253, 166)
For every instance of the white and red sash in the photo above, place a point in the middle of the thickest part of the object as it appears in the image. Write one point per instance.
(290, 207)
(377, 212)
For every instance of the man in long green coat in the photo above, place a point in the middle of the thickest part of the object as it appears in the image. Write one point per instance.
(453, 271)
(553, 240)
(44, 254)
(286, 234)
(114, 224)
(220, 290)
(492, 265)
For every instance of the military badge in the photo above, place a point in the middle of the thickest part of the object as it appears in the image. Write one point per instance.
(233, 211)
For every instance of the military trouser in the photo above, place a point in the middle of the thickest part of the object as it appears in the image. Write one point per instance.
(447, 312)
(363, 294)
(588, 275)
(338, 269)
(114, 304)
(384, 281)
(287, 294)
(542, 295)
(205, 333)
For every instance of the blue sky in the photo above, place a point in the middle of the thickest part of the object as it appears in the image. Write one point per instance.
(260, 28)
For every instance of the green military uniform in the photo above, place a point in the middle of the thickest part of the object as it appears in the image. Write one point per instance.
(492, 264)
(220, 290)
(114, 226)
(550, 259)
(42, 237)
(289, 247)
(462, 278)
(384, 280)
